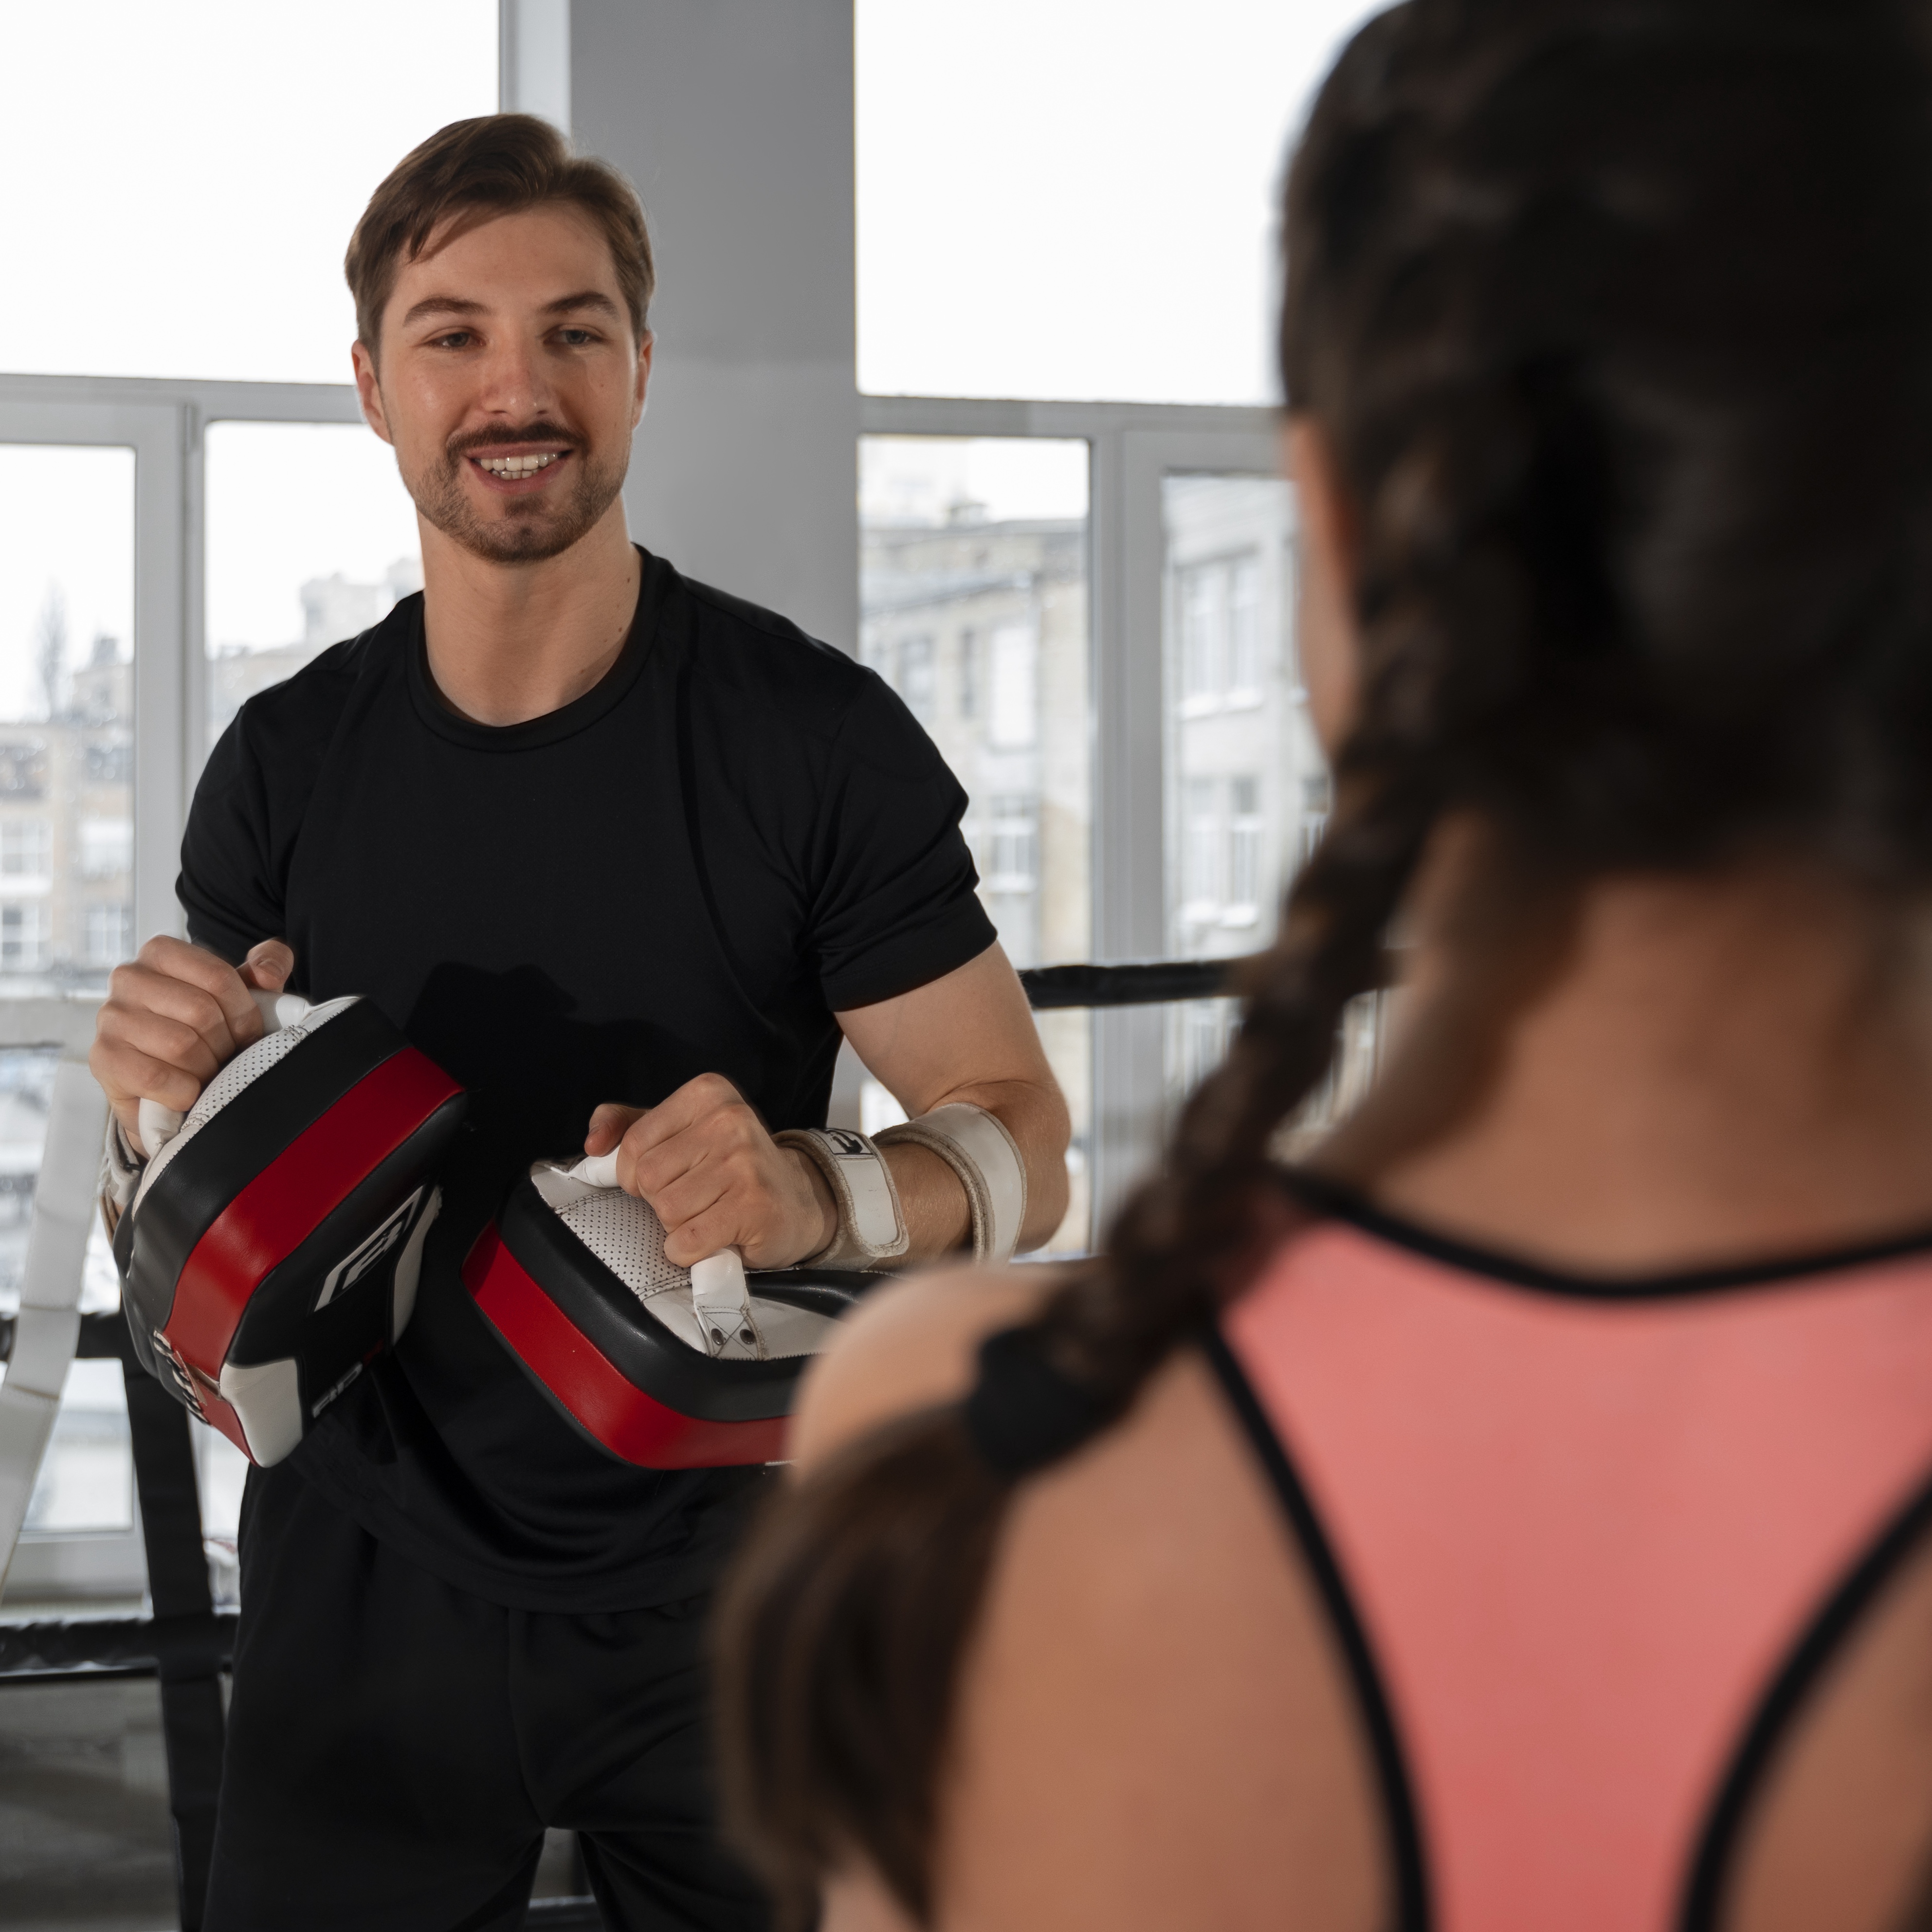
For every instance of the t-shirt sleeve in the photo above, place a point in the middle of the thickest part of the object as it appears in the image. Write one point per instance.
(229, 885)
(896, 906)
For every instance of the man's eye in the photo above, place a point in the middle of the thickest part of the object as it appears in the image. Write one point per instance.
(457, 338)
(576, 338)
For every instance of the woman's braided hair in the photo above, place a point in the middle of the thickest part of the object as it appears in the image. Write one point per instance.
(1617, 315)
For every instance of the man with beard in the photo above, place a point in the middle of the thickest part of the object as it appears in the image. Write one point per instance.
(626, 856)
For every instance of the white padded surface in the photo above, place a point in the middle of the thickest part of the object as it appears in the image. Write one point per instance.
(625, 1234)
(241, 1072)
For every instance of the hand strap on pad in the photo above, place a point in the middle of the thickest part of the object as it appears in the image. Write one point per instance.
(871, 1225)
(977, 1146)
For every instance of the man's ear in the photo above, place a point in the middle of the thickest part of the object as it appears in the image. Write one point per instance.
(369, 392)
(645, 343)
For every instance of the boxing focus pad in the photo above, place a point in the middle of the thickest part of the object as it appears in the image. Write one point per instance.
(272, 1248)
(662, 1366)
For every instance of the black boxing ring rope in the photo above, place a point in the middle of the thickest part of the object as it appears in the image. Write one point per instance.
(188, 1644)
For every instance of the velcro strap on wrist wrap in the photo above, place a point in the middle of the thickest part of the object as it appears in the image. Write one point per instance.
(871, 1225)
(977, 1146)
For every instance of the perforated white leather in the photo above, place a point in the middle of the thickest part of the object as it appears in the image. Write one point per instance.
(625, 1234)
(246, 1067)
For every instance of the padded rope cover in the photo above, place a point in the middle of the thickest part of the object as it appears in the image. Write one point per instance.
(272, 1249)
(573, 1278)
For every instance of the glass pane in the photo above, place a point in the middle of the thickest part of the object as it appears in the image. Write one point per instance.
(1246, 787)
(85, 1838)
(1075, 198)
(222, 152)
(87, 1478)
(311, 537)
(973, 590)
(67, 687)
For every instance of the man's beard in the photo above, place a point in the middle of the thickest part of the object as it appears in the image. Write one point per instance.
(526, 529)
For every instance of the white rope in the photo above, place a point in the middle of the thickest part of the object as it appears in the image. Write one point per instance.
(49, 1324)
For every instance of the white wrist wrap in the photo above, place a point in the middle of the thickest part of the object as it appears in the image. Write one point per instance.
(871, 1227)
(978, 1148)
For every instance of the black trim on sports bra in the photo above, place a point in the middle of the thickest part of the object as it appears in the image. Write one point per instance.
(1411, 1879)
(1780, 1705)
(1341, 1203)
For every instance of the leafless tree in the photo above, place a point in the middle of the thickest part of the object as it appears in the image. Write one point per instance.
(50, 647)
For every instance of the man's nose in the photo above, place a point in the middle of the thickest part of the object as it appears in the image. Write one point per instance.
(515, 383)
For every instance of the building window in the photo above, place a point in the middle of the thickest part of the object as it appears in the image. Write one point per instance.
(1221, 635)
(917, 683)
(110, 935)
(23, 771)
(23, 938)
(106, 847)
(111, 764)
(26, 848)
(1013, 844)
(1244, 630)
(969, 674)
(1012, 722)
(1202, 614)
(1245, 829)
(1200, 850)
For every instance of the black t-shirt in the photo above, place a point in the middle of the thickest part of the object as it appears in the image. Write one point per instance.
(689, 869)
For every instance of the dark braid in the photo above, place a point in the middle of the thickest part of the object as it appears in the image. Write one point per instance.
(1617, 315)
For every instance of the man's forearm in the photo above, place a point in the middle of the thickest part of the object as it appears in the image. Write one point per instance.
(938, 1217)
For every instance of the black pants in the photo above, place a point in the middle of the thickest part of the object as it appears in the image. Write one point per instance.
(396, 1747)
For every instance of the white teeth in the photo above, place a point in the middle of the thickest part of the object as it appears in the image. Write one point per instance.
(517, 466)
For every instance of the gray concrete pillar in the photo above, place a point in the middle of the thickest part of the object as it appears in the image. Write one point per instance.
(734, 119)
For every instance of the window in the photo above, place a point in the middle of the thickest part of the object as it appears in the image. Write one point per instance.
(23, 937)
(24, 848)
(1246, 828)
(110, 934)
(1013, 844)
(106, 847)
(210, 149)
(311, 539)
(1202, 619)
(916, 679)
(1093, 155)
(1013, 714)
(974, 549)
(1244, 630)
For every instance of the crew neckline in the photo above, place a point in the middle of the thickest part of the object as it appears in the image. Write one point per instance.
(1336, 1201)
(653, 584)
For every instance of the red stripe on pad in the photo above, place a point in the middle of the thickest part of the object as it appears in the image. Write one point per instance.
(625, 1420)
(288, 1200)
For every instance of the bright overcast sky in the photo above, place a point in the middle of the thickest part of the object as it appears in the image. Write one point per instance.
(1076, 198)
(214, 155)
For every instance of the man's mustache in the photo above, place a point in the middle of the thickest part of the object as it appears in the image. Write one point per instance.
(499, 439)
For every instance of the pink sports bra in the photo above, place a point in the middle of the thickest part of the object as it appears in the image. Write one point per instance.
(1586, 1544)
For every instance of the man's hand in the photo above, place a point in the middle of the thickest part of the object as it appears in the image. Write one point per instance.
(173, 1018)
(716, 1177)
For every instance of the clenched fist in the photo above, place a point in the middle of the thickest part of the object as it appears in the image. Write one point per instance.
(716, 1177)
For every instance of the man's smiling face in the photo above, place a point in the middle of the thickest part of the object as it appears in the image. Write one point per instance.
(509, 382)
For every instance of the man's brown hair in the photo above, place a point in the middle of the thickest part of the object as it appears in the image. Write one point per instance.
(475, 170)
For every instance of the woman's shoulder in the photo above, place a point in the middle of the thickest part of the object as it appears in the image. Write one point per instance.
(911, 1346)
(1152, 1673)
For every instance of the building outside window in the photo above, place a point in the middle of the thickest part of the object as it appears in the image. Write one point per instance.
(1012, 845)
(970, 675)
(25, 848)
(23, 937)
(1247, 829)
(110, 934)
(106, 847)
(916, 679)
